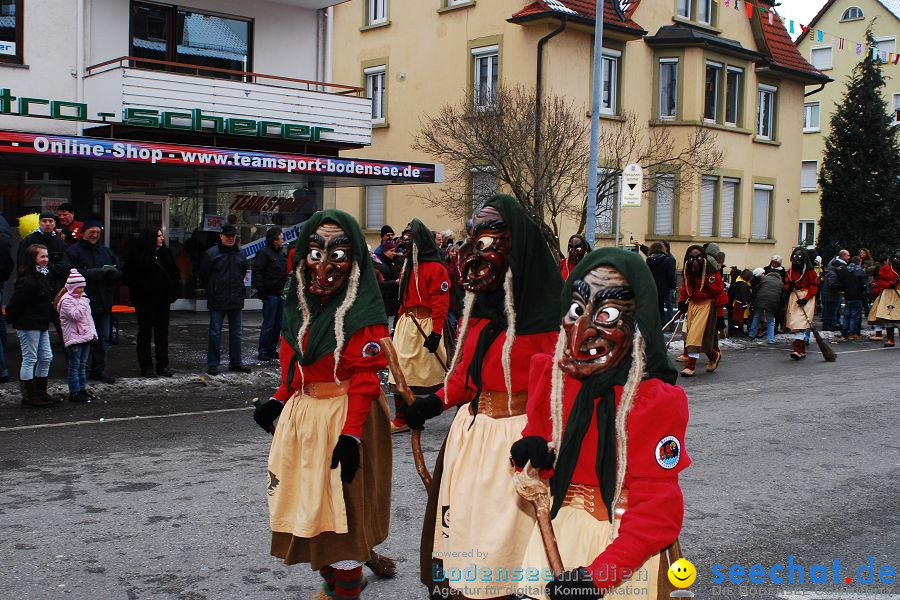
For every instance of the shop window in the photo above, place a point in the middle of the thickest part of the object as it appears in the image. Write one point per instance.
(190, 38)
(762, 207)
(664, 207)
(811, 116)
(483, 185)
(11, 27)
(668, 88)
(809, 176)
(765, 112)
(821, 58)
(375, 89)
(711, 99)
(486, 70)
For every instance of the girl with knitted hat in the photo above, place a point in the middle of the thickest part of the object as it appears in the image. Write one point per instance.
(78, 332)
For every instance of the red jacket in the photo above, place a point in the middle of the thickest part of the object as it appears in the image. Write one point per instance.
(887, 278)
(358, 364)
(713, 288)
(655, 429)
(459, 391)
(807, 280)
(565, 269)
(434, 285)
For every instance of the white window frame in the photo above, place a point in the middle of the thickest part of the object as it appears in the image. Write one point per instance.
(763, 187)
(826, 67)
(846, 17)
(896, 109)
(376, 12)
(768, 118)
(479, 54)
(815, 186)
(373, 75)
(375, 225)
(708, 4)
(473, 172)
(808, 127)
(804, 226)
(659, 108)
(740, 95)
(718, 67)
(614, 58)
(458, 2)
(670, 184)
(892, 47)
(684, 8)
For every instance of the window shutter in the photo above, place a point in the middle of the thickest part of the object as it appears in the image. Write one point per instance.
(809, 175)
(374, 207)
(761, 199)
(726, 217)
(707, 206)
(664, 218)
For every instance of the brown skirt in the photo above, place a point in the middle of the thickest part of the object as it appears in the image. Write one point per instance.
(367, 500)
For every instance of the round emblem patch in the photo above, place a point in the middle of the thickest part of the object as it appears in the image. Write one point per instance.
(371, 349)
(712, 278)
(445, 286)
(668, 452)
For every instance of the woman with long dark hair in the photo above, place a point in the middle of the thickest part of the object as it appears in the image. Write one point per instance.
(152, 276)
(30, 311)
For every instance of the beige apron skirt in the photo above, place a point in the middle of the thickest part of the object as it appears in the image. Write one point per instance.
(419, 365)
(796, 321)
(480, 524)
(701, 327)
(313, 516)
(887, 307)
(873, 311)
(581, 538)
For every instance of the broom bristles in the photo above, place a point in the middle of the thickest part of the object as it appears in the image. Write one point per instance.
(827, 353)
(383, 566)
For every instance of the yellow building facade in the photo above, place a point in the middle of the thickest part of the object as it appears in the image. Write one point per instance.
(847, 19)
(676, 64)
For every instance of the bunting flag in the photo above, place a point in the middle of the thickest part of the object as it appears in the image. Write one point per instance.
(858, 49)
(820, 36)
(749, 10)
(841, 44)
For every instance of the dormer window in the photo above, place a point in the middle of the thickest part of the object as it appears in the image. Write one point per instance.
(854, 13)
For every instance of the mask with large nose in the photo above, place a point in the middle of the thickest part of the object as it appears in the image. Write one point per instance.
(484, 257)
(695, 260)
(599, 324)
(577, 249)
(798, 260)
(329, 260)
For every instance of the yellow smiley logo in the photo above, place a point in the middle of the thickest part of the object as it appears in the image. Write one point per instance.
(682, 573)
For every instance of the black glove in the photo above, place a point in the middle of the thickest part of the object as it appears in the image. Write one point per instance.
(574, 584)
(720, 322)
(424, 408)
(533, 448)
(790, 287)
(432, 341)
(683, 307)
(802, 301)
(265, 414)
(346, 452)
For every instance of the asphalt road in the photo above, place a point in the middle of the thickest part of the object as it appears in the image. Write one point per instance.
(789, 459)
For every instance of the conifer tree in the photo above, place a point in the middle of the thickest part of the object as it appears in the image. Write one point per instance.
(860, 168)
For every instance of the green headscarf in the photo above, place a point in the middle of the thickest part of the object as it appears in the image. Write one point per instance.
(601, 384)
(426, 251)
(536, 287)
(367, 309)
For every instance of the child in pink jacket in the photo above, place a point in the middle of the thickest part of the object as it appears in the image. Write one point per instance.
(78, 332)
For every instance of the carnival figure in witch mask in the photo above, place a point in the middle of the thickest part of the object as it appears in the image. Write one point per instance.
(332, 417)
(702, 300)
(510, 313)
(605, 416)
(886, 289)
(577, 249)
(801, 286)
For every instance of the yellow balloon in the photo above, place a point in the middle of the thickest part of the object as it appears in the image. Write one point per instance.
(28, 223)
(682, 573)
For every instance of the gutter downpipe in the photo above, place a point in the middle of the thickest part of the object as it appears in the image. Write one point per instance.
(815, 91)
(538, 99)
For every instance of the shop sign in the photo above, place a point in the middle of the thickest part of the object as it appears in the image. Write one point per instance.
(213, 222)
(265, 203)
(290, 234)
(191, 119)
(8, 48)
(152, 153)
(51, 204)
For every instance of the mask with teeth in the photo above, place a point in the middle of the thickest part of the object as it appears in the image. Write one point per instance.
(329, 260)
(484, 257)
(695, 261)
(577, 249)
(798, 260)
(404, 243)
(599, 324)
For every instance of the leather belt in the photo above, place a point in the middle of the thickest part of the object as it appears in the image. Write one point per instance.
(589, 499)
(498, 405)
(326, 389)
(419, 312)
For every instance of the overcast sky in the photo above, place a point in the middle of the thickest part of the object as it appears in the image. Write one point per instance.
(801, 11)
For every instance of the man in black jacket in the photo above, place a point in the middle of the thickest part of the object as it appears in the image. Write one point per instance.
(662, 266)
(222, 273)
(56, 248)
(100, 267)
(852, 281)
(269, 277)
(6, 268)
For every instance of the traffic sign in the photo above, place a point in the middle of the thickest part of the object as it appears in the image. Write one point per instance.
(632, 185)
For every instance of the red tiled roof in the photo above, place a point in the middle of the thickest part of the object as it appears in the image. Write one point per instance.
(782, 50)
(586, 9)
